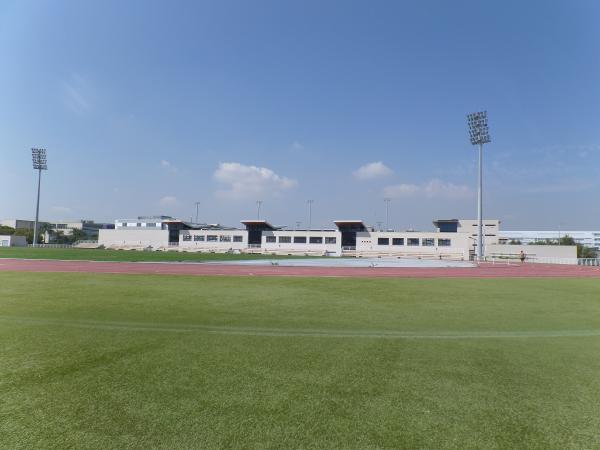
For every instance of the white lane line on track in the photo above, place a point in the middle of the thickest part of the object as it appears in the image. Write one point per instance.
(279, 332)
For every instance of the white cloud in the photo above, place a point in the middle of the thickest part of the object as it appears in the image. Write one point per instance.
(438, 188)
(77, 95)
(241, 181)
(168, 200)
(297, 146)
(433, 189)
(559, 187)
(401, 190)
(166, 165)
(373, 170)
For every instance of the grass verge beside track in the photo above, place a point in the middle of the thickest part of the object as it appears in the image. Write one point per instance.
(104, 361)
(96, 254)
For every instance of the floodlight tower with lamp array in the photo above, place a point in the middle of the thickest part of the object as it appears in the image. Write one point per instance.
(478, 131)
(40, 162)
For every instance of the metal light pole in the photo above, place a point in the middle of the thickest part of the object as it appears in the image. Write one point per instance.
(258, 205)
(479, 134)
(387, 213)
(197, 204)
(310, 202)
(38, 157)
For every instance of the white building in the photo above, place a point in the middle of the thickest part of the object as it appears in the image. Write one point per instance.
(414, 244)
(452, 239)
(157, 232)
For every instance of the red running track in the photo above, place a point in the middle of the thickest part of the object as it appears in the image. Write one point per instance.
(483, 271)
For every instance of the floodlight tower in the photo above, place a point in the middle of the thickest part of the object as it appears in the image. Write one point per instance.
(197, 205)
(258, 205)
(478, 131)
(387, 213)
(38, 157)
(309, 203)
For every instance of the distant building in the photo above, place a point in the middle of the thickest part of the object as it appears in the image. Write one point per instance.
(589, 239)
(89, 229)
(18, 223)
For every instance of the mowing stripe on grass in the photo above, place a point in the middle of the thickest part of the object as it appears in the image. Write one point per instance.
(281, 332)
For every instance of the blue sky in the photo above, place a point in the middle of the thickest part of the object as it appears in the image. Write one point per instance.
(147, 107)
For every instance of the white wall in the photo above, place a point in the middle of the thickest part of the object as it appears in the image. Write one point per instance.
(333, 249)
(224, 240)
(13, 241)
(532, 251)
(460, 244)
(134, 238)
(491, 229)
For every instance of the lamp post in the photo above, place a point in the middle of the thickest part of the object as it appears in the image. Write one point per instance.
(479, 134)
(197, 205)
(387, 213)
(258, 205)
(38, 157)
(310, 202)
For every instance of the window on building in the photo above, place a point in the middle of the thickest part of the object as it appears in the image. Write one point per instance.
(444, 243)
(151, 224)
(212, 238)
(139, 224)
(187, 237)
(271, 239)
(383, 241)
(330, 240)
(428, 242)
(316, 240)
(413, 242)
(299, 239)
(397, 241)
(238, 239)
(225, 238)
(285, 239)
(198, 237)
(123, 224)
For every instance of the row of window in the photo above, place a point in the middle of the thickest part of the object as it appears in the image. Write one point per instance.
(138, 225)
(301, 239)
(213, 238)
(415, 242)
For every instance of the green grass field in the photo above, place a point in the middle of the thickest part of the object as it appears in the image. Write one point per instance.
(93, 254)
(105, 361)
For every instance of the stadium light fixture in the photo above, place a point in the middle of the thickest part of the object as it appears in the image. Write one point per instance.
(479, 134)
(40, 162)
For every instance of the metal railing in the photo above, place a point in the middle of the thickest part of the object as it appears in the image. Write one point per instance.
(512, 259)
(51, 245)
(588, 262)
(84, 241)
